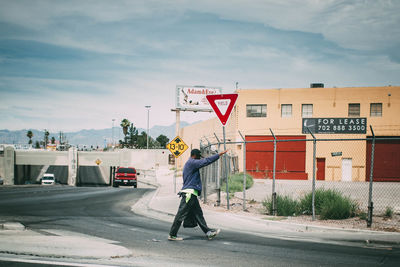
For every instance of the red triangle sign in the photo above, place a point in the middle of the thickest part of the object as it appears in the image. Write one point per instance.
(222, 105)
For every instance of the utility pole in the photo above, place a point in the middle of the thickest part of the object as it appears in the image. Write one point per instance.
(148, 111)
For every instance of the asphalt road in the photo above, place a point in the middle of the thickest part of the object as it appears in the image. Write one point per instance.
(105, 212)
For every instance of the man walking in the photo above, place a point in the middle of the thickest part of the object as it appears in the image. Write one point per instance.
(191, 189)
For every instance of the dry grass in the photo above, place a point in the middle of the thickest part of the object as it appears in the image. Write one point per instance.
(256, 209)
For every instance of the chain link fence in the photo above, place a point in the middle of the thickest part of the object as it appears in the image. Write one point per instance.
(303, 168)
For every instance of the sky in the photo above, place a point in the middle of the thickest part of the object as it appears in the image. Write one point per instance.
(72, 65)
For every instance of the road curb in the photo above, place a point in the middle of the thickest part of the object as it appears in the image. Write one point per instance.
(142, 206)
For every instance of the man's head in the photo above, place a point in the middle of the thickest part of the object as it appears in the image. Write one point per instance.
(195, 153)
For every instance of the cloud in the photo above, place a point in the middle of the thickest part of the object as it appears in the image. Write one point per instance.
(366, 25)
(359, 24)
(87, 62)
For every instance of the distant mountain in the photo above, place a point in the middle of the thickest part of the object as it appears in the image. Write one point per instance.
(85, 137)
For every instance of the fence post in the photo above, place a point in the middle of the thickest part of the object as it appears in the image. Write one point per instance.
(244, 171)
(313, 180)
(371, 177)
(206, 173)
(219, 169)
(274, 206)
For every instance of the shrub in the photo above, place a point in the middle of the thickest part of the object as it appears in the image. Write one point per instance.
(285, 206)
(363, 215)
(236, 183)
(335, 209)
(330, 204)
(388, 212)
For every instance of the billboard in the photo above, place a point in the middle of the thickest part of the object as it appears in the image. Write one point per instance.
(193, 98)
(335, 125)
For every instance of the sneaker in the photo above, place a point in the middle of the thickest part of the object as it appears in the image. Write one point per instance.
(174, 238)
(213, 233)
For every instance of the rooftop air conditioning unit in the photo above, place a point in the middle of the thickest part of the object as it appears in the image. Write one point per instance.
(316, 85)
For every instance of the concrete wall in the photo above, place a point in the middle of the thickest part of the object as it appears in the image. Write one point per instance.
(8, 165)
(41, 157)
(143, 158)
(2, 162)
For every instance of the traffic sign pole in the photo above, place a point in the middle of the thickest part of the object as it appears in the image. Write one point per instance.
(176, 166)
(226, 170)
(222, 106)
(177, 147)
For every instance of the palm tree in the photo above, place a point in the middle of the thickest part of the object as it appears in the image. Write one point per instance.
(46, 138)
(29, 135)
(125, 123)
(133, 135)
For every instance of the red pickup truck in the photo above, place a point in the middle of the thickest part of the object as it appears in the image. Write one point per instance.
(125, 176)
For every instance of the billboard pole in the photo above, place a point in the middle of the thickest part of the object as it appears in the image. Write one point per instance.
(178, 122)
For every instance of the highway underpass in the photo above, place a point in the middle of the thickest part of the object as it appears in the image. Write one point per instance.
(73, 167)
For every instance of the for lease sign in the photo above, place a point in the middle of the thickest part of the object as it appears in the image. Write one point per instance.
(335, 125)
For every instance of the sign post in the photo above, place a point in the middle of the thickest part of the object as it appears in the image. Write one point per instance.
(222, 106)
(177, 147)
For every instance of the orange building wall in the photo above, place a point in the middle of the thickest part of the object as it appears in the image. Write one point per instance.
(327, 102)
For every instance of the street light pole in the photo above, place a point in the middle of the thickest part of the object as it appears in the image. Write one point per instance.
(112, 134)
(148, 110)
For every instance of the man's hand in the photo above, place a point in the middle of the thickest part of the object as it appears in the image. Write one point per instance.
(223, 152)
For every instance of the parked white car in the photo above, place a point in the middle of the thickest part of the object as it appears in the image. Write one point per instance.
(48, 179)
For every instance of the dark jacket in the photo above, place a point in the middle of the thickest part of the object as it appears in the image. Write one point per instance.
(191, 174)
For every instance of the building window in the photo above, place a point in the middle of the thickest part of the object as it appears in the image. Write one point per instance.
(306, 110)
(354, 110)
(376, 110)
(256, 110)
(286, 110)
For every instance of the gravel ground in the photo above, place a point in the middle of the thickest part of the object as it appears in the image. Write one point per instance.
(256, 209)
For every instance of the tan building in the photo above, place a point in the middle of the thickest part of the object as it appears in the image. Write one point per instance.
(331, 113)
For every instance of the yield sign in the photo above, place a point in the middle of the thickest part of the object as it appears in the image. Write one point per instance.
(222, 105)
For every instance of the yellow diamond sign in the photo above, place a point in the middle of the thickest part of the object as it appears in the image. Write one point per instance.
(177, 146)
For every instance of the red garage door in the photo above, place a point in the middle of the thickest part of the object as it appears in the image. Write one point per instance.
(387, 160)
(290, 157)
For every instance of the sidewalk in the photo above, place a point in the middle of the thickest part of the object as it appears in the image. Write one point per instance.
(163, 204)
(15, 239)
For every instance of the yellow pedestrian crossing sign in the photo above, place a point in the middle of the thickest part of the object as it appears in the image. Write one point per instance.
(177, 146)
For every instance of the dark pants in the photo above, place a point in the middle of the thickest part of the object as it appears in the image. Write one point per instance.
(192, 207)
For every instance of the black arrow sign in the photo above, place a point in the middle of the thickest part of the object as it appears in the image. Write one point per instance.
(177, 140)
(177, 153)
